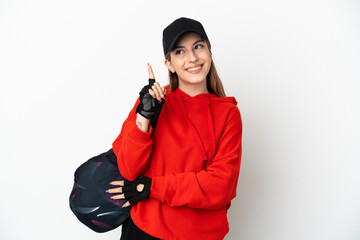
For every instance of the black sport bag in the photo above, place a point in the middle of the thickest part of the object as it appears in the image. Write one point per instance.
(89, 200)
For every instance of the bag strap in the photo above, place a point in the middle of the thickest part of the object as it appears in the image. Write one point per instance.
(155, 117)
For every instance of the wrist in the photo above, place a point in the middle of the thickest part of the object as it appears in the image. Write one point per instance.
(142, 123)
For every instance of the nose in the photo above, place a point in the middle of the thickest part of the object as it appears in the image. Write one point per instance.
(192, 56)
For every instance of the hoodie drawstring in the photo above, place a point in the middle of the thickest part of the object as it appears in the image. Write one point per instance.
(211, 133)
(196, 134)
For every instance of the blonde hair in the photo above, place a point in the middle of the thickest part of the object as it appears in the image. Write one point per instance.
(213, 81)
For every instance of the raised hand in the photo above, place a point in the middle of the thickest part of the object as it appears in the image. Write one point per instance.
(148, 94)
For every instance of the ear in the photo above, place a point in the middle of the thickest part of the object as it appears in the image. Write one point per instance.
(169, 66)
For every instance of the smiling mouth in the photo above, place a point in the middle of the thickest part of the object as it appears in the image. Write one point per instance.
(193, 69)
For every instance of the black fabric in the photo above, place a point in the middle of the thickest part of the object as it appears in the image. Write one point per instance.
(155, 117)
(177, 28)
(89, 200)
(130, 231)
(131, 192)
(148, 105)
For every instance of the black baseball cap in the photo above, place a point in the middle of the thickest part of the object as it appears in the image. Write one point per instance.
(177, 28)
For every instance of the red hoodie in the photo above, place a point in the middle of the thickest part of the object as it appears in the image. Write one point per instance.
(193, 159)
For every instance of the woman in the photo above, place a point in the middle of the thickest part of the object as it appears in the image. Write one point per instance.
(184, 176)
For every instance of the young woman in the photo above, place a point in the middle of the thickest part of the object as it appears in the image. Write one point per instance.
(183, 175)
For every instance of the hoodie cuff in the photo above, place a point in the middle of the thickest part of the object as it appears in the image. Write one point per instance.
(139, 136)
(156, 190)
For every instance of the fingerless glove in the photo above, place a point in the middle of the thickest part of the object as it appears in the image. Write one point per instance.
(148, 104)
(132, 194)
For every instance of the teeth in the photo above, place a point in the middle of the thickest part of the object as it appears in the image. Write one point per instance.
(194, 69)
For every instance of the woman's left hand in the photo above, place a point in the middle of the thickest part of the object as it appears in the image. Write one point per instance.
(148, 105)
(134, 191)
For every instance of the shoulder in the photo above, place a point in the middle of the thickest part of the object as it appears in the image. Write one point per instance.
(235, 115)
(226, 105)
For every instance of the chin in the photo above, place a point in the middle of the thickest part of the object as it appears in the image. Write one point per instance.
(194, 79)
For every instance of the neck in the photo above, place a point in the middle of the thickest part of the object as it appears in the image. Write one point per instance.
(193, 90)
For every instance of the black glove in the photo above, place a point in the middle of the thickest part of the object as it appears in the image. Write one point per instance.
(132, 194)
(148, 104)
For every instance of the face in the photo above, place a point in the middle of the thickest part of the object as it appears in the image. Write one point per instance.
(191, 60)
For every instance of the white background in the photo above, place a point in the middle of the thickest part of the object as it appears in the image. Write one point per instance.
(70, 71)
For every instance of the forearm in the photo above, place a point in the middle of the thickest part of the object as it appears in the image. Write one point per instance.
(213, 188)
(142, 123)
(133, 146)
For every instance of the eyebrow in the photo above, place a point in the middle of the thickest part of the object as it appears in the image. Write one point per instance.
(201, 40)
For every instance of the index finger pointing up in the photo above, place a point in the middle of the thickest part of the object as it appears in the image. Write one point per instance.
(151, 74)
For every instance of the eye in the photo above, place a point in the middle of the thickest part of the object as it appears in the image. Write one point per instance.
(177, 52)
(199, 46)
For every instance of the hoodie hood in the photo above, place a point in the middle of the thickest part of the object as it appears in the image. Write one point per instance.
(210, 96)
(204, 100)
